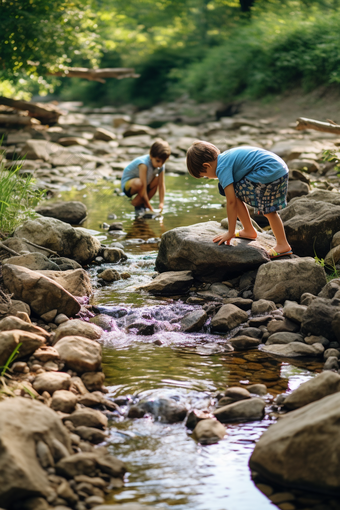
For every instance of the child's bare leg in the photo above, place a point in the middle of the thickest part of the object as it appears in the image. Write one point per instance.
(277, 227)
(138, 187)
(244, 217)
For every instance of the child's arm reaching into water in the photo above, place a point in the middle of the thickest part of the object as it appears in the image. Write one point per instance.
(232, 216)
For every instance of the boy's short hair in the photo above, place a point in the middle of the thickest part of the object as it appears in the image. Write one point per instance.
(160, 149)
(199, 153)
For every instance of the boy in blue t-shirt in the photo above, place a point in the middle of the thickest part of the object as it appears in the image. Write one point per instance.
(144, 175)
(247, 175)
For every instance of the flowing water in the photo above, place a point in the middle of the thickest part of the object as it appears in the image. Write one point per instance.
(167, 468)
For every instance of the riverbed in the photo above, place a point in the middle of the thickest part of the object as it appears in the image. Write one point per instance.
(167, 468)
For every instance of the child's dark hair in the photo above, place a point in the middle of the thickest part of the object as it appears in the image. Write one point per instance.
(160, 149)
(199, 153)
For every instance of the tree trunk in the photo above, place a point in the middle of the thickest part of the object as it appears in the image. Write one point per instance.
(17, 120)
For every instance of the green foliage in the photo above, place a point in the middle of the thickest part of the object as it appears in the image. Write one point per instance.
(17, 198)
(10, 360)
(39, 36)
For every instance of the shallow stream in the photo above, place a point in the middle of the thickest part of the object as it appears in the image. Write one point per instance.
(167, 468)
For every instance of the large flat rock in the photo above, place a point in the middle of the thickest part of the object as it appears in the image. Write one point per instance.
(192, 249)
(302, 450)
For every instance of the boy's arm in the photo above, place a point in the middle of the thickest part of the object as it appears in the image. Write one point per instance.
(161, 190)
(143, 170)
(232, 216)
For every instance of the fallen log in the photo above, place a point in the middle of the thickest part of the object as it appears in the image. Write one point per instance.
(97, 74)
(326, 127)
(46, 113)
(17, 120)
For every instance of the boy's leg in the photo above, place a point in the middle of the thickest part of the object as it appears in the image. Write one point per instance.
(152, 188)
(277, 227)
(244, 217)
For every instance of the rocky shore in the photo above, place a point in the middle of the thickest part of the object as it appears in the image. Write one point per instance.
(54, 410)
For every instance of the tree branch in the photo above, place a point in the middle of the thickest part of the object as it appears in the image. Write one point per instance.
(327, 127)
(97, 74)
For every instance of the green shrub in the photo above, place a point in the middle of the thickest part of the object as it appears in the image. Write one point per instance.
(18, 197)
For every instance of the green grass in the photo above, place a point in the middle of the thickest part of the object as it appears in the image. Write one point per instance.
(18, 197)
(10, 360)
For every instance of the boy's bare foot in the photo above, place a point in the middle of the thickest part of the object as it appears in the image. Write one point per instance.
(246, 234)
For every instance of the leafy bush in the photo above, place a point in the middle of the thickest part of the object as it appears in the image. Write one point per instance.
(18, 197)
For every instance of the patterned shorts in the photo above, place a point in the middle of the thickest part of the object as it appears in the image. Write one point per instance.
(265, 198)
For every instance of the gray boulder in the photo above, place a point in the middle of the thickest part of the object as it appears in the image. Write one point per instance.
(316, 388)
(51, 382)
(172, 282)
(40, 293)
(72, 212)
(310, 226)
(80, 354)
(9, 340)
(209, 431)
(243, 410)
(193, 321)
(191, 248)
(283, 280)
(228, 317)
(21, 472)
(322, 318)
(293, 311)
(302, 450)
(78, 327)
(35, 261)
(284, 337)
(294, 349)
(76, 243)
(297, 188)
(75, 281)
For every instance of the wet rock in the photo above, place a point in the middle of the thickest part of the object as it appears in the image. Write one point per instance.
(113, 255)
(283, 280)
(75, 281)
(79, 353)
(65, 264)
(244, 304)
(262, 306)
(142, 326)
(165, 408)
(91, 434)
(72, 212)
(294, 349)
(93, 380)
(191, 248)
(136, 412)
(35, 261)
(39, 292)
(77, 327)
(51, 382)
(194, 321)
(104, 322)
(293, 311)
(321, 386)
(297, 188)
(284, 337)
(86, 464)
(320, 318)
(22, 475)
(64, 401)
(209, 431)
(250, 332)
(228, 317)
(89, 418)
(282, 451)
(310, 225)
(171, 282)
(330, 290)
(258, 389)
(331, 363)
(125, 506)
(244, 410)
(223, 290)
(76, 243)
(314, 339)
(285, 325)
(9, 340)
(109, 275)
(237, 393)
(195, 416)
(243, 342)
(11, 322)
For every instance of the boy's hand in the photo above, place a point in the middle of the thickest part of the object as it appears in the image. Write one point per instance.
(225, 238)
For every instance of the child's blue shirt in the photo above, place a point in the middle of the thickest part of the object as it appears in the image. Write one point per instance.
(258, 165)
(132, 170)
